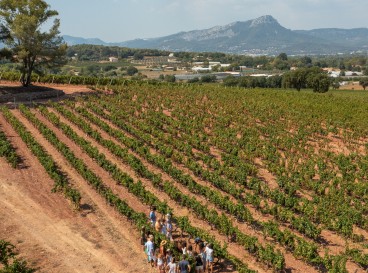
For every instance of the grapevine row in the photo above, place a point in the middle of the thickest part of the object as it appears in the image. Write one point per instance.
(135, 188)
(52, 169)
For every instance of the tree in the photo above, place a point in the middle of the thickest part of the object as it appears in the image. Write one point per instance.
(312, 77)
(138, 56)
(208, 78)
(282, 57)
(296, 79)
(363, 83)
(335, 84)
(4, 33)
(170, 78)
(23, 21)
(131, 70)
(319, 82)
(365, 72)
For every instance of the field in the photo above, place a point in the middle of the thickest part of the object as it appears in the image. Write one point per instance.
(277, 180)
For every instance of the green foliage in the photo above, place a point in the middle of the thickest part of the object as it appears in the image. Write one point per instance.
(8, 151)
(364, 83)
(9, 261)
(319, 82)
(216, 135)
(131, 70)
(169, 78)
(53, 170)
(194, 80)
(282, 57)
(208, 78)
(307, 78)
(99, 53)
(33, 48)
(253, 82)
(336, 264)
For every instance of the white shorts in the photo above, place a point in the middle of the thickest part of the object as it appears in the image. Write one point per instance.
(199, 267)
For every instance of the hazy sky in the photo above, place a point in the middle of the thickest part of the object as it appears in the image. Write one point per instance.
(122, 20)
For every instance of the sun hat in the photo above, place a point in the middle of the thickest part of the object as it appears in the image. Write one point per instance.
(163, 242)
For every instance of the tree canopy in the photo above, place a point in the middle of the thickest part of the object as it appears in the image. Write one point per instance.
(22, 30)
(302, 78)
(363, 83)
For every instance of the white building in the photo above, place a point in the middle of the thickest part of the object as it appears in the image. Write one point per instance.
(113, 59)
(201, 69)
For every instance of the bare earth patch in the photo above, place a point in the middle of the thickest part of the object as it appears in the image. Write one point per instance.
(13, 92)
(50, 235)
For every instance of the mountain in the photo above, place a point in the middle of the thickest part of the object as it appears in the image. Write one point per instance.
(263, 35)
(348, 37)
(70, 40)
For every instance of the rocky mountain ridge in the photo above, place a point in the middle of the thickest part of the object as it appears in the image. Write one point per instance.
(263, 35)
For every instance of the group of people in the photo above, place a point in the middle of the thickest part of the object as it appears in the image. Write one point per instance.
(163, 225)
(201, 258)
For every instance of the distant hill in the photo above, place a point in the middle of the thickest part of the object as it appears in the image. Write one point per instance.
(70, 40)
(263, 35)
(348, 37)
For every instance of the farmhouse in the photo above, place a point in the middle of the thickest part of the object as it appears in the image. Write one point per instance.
(113, 59)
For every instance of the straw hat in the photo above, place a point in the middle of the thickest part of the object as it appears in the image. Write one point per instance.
(163, 242)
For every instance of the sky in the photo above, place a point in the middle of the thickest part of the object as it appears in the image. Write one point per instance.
(123, 20)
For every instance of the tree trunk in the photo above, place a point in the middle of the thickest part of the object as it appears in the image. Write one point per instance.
(28, 79)
(27, 73)
(23, 79)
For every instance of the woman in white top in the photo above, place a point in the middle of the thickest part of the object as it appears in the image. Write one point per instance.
(184, 248)
(171, 266)
(209, 257)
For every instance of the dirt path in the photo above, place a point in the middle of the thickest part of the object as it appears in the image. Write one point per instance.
(13, 93)
(50, 235)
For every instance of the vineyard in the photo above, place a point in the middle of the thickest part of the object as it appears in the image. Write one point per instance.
(276, 180)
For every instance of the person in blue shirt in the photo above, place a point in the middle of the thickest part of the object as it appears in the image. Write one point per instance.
(152, 216)
(184, 266)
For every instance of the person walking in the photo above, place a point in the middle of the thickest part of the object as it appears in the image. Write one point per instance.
(168, 257)
(198, 244)
(152, 216)
(150, 250)
(160, 262)
(198, 263)
(203, 256)
(209, 257)
(163, 248)
(158, 225)
(163, 228)
(171, 266)
(184, 247)
(184, 266)
(169, 229)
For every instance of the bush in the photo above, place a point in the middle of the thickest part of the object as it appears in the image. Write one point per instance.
(131, 70)
(208, 78)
